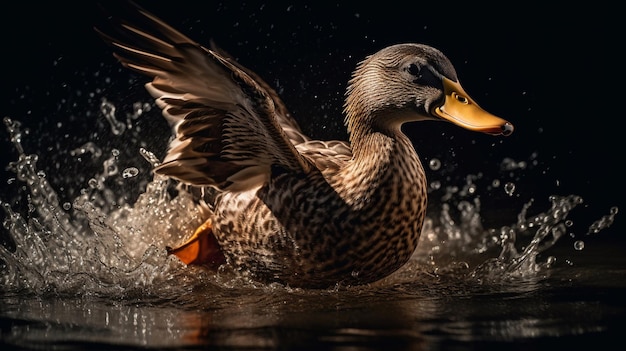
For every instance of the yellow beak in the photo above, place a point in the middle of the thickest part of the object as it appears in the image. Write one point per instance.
(461, 110)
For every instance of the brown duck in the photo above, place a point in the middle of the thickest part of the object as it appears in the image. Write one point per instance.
(279, 206)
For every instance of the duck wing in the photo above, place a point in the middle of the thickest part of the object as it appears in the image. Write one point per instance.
(230, 128)
(327, 156)
(284, 117)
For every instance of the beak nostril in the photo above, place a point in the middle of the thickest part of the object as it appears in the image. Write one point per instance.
(460, 98)
(507, 129)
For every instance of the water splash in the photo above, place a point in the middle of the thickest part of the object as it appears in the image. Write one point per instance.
(139, 108)
(100, 244)
(509, 188)
(130, 172)
(579, 245)
(545, 229)
(509, 164)
(108, 111)
(434, 164)
(104, 246)
(89, 147)
(603, 222)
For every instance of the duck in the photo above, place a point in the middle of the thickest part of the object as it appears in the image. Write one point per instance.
(279, 206)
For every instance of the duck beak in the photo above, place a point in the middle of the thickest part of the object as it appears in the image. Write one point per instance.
(459, 108)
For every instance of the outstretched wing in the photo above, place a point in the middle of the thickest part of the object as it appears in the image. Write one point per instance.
(228, 124)
(290, 126)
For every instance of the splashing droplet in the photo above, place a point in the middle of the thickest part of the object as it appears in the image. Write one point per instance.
(509, 164)
(108, 110)
(435, 185)
(604, 222)
(434, 164)
(90, 147)
(93, 183)
(150, 157)
(509, 188)
(471, 188)
(13, 127)
(579, 245)
(130, 172)
(110, 168)
(138, 110)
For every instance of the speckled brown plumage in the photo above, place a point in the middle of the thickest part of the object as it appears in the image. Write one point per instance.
(284, 207)
(320, 229)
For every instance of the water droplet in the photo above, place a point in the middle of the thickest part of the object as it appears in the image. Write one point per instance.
(110, 166)
(604, 222)
(67, 206)
(509, 164)
(130, 172)
(150, 157)
(431, 236)
(13, 127)
(435, 184)
(495, 183)
(509, 188)
(85, 148)
(579, 245)
(434, 164)
(138, 109)
(471, 189)
(93, 183)
(108, 110)
(112, 170)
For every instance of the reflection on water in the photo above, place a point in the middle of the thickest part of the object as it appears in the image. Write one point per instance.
(94, 271)
(424, 314)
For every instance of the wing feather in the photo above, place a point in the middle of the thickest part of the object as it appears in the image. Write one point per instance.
(230, 127)
(327, 156)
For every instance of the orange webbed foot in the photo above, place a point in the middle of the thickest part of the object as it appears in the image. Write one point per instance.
(201, 249)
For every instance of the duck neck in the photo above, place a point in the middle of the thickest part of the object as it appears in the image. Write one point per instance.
(384, 166)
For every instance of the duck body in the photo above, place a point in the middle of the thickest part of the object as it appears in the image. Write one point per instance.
(324, 228)
(279, 206)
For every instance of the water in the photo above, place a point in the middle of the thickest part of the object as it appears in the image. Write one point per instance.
(444, 315)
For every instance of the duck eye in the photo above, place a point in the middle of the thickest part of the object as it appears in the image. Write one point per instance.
(413, 70)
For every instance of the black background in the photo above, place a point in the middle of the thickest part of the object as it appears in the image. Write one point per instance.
(556, 73)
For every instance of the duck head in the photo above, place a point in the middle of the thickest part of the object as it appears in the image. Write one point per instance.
(412, 82)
